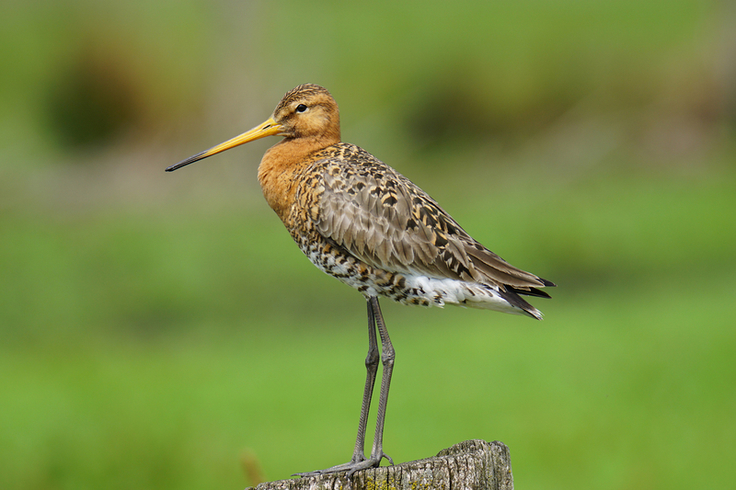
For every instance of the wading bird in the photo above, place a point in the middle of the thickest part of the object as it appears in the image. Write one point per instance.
(362, 222)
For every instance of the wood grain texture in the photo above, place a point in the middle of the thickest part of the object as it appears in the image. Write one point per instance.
(469, 465)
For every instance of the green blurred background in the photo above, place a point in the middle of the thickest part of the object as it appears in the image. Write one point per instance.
(162, 330)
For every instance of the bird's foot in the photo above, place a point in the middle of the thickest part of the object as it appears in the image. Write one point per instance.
(356, 464)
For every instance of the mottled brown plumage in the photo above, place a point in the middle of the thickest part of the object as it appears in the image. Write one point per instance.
(362, 222)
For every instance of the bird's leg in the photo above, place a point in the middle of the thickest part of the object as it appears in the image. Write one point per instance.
(387, 359)
(371, 366)
(359, 461)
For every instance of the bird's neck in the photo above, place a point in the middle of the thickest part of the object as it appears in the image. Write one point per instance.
(279, 166)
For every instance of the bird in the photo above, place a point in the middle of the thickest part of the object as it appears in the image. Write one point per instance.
(362, 222)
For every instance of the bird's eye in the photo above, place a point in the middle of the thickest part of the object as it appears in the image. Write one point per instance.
(301, 108)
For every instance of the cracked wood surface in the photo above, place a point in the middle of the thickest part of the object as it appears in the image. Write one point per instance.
(474, 464)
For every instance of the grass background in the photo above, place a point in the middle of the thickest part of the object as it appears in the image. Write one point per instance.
(162, 331)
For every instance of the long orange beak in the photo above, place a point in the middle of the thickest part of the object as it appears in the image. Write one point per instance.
(266, 128)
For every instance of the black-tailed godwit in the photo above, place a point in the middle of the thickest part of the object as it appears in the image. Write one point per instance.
(362, 222)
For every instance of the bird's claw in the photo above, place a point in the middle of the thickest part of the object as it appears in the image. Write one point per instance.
(356, 464)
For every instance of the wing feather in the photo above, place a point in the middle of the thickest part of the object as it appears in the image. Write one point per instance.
(386, 221)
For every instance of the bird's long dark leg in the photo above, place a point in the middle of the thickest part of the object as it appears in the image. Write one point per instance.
(371, 366)
(359, 461)
(387, 359)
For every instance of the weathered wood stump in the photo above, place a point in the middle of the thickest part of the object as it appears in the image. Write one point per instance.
(476, 465)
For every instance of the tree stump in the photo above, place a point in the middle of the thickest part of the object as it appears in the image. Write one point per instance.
(469, 465)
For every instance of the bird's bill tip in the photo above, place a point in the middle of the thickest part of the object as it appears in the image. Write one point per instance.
(267, 128)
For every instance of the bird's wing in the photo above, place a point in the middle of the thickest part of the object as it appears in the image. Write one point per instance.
(386, 221)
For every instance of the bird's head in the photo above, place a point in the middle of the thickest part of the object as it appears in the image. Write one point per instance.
(308, 111)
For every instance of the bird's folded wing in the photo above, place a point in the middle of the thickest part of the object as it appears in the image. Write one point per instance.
(386, 221)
